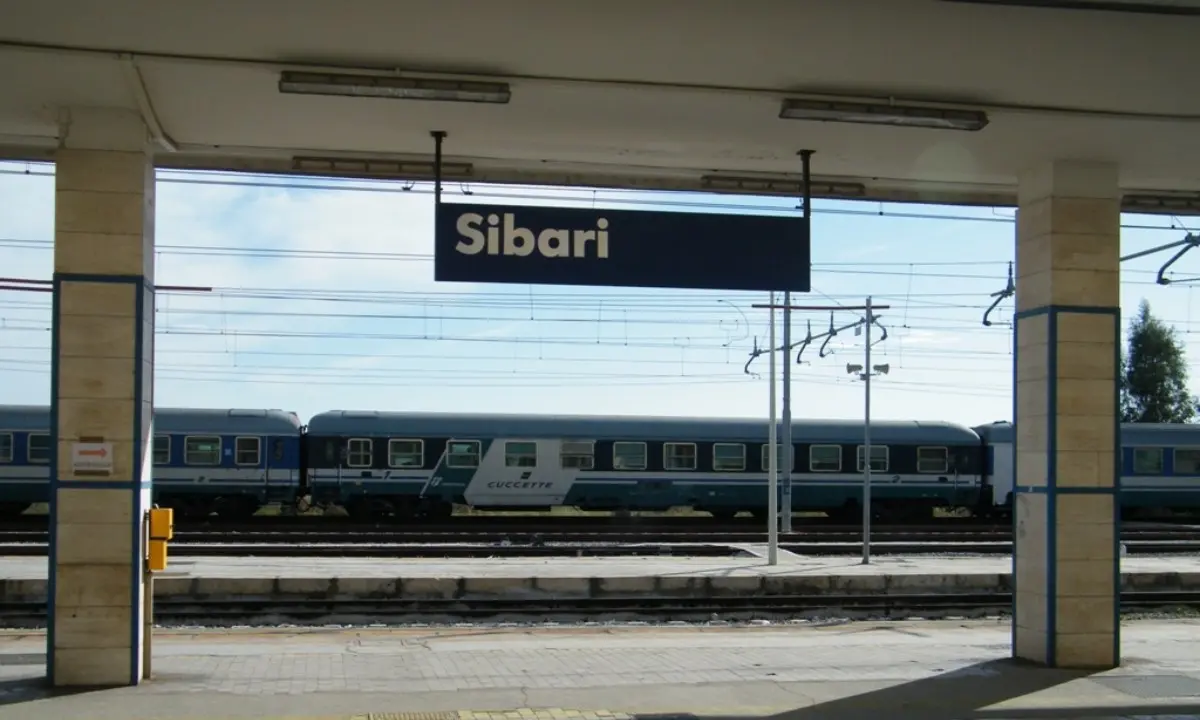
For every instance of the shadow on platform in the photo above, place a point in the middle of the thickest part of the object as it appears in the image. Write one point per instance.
(22, 690)
(969, 694)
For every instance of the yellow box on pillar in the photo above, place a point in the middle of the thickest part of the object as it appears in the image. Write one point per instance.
(162, 529)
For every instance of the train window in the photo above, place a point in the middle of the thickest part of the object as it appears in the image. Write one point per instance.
(202, 450)
(679, 456)
(406, 453)
(578, 454)
(39, 448)
(779, 459)
(358, 452)
(1187, 461)
(933, 460)
(520, 454)
(277, 450)
(462, 454)
(729, 457)
(6, 447)
(879, 458)
(1149, 461)
(162, 449)
(629, 456)
(247, 450)
(825, 458)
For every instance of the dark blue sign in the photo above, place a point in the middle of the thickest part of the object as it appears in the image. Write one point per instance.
(619, 248)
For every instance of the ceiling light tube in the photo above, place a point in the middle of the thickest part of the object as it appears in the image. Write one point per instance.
(774, 186)
(883, 114)
(1161, 203)
(378, 167)
(400, 88)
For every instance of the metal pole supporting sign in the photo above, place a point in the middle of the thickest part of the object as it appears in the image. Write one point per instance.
(773, 461)
(789, 460)
(866, 518)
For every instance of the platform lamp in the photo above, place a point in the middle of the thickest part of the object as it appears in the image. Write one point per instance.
(855, 369)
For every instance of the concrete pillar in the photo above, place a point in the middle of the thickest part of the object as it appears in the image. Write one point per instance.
(1066, 564)
(102, 395)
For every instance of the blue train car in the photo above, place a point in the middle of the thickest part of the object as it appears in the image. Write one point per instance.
(423, 463)
(227, 461)
(1159, 466)
(231, 462)
(24, 457)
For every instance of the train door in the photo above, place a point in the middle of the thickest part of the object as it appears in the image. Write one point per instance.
(268, 451)
(1000, 461)
(279, 478)
(956, 489)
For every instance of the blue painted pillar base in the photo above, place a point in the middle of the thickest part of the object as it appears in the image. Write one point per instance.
(1066, 515)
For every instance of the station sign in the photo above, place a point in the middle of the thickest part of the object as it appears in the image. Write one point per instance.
(619, 248)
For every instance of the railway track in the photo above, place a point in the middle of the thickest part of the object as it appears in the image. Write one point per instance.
(406, 536)
(275, 611)
(431, 538)
(639, 548)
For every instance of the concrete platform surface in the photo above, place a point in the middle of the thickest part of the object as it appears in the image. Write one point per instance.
(880, 670)
(23, 579)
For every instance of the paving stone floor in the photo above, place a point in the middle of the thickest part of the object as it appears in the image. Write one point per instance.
(946, 670)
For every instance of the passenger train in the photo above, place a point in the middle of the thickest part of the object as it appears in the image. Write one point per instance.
(403, 465)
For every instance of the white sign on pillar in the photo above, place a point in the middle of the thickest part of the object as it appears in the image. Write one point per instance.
(92, 457)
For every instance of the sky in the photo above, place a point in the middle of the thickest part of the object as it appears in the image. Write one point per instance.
(323, 298)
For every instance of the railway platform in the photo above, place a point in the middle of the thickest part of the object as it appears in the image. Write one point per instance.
(23, 579)
(895, 670)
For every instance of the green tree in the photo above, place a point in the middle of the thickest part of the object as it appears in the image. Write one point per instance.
(1154, 375)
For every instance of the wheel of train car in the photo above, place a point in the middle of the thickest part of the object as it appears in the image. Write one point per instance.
(432, 509)
(901, 513)
(723, 513)
(850, 512)
(364, 510)
(11, 510)
(187, 508)
(236, 508)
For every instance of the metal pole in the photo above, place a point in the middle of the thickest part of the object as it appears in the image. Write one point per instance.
(789, 459)
(438, 137)
(866, 519)
(785, 502)
(772, 463)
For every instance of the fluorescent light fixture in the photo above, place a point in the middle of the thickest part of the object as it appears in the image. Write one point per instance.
(883, 114)
(383, 168)
(775, 186)
(1147, 203)
(1150, 7)
(386, 86)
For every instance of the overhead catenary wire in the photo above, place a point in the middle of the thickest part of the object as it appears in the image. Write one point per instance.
(510, 193)
(254, 315)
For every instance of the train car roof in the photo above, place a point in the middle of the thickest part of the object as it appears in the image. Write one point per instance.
(1168, 434)
(24, 417)
(1164, 434)
(232, 421)
(1000, 431)
(172, 420)
(415, 424)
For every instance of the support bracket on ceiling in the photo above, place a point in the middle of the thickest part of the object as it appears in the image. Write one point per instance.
(137, 85)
